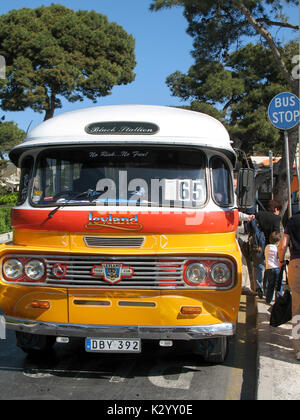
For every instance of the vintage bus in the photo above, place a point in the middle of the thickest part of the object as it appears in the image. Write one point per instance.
(124, 231)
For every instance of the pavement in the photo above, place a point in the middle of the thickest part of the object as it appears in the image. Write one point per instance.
(278, 375)
(278, 370)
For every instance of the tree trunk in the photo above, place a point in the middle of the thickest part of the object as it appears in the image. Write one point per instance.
(51, 107)
(281, 186)
(260, 29)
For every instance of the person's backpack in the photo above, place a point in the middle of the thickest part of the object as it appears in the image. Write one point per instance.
(257, 242)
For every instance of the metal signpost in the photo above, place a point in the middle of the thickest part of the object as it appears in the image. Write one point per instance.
(284, 114)
(272, 172)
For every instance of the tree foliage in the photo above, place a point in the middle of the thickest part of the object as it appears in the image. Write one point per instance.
(53, 52)
(238, 92)
(5, 221)
(241, 78)
(10, 136)
(219, 25)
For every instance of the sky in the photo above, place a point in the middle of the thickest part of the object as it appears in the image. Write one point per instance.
(162, 47)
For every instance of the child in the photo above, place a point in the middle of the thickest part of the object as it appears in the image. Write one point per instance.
(271, 278)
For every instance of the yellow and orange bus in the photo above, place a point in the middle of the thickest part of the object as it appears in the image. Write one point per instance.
(124, 231)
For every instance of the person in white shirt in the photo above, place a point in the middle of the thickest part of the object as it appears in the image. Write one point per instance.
(272, 272)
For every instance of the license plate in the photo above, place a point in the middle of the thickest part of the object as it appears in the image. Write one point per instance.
(113, 345)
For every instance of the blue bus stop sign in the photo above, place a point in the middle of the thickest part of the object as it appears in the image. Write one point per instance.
(284, 111)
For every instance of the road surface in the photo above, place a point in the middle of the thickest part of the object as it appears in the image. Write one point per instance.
(173, 374)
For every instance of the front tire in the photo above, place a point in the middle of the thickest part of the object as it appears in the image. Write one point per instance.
(213, 350)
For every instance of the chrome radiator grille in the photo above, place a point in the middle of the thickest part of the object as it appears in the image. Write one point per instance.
(115, 242)
(148, 271)
(116, 271)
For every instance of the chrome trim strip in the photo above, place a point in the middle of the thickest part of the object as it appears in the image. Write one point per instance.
(192, 332)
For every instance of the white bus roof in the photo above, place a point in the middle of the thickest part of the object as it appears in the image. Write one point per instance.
(173, 126)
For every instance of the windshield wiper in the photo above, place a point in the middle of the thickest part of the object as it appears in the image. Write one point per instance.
(89, 193)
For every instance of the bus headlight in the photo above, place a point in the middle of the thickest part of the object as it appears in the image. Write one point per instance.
(35, 269)
(196, 273)
(12, 269)
(220, 273)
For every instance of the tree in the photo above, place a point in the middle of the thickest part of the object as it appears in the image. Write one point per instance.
(238, 93)
(53, 52)
(10, 135)
(256, 66)
(219, 26)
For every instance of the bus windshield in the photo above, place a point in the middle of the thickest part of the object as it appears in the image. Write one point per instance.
(121, 176)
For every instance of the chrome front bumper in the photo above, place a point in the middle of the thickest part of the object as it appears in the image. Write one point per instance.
(193, 332)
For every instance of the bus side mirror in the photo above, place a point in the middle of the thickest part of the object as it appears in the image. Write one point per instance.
(246, 189)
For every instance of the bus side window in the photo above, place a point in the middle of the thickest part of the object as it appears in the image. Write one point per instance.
(221, 182)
